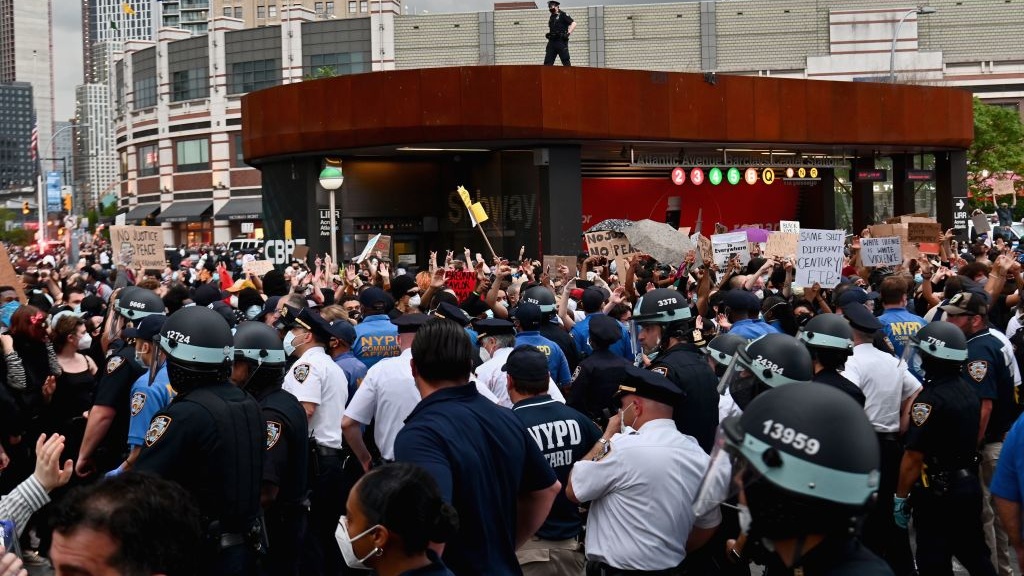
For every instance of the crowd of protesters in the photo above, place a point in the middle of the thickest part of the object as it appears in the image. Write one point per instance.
(549, 421)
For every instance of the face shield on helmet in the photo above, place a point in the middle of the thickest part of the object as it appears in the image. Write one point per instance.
(740, 382)
(155, 358)
(912, 357)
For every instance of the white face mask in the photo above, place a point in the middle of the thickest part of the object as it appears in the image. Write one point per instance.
(345, 544)
(414, 300)
(624, 428)
(234, 301)
(289, 347)
(85, 341)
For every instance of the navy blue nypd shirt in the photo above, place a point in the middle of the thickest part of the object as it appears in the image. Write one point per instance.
(564, 435)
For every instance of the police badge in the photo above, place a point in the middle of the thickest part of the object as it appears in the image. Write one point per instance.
(920, 412)
(157, 428)
(661, 370)
(114, 363)
(301, 372)
(273, 433)
(977, 370)
(138, 401)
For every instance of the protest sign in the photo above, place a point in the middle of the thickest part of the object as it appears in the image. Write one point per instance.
(923, 231)
(703, 244)
(928, 247)
(138, 246)
(781, 244)
(8, 277)
(790, 226)
(724, 246)
(819, 257)
(611, 245)
(257, 267)
(885, 251)
(300, 253)
(1002, 188)
(981, 223)
(552, 262)
(379, 243)
(462, 282)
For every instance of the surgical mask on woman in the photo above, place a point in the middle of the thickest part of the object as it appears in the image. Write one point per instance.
(85, 341)
(345, 543)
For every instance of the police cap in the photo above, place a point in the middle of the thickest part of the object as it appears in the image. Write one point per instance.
(527, 362)
(343, 330)
(963, 303)
(861, 318)
(647, 384)
(452, 312)
(375, 299)
(407, 323)
(146, 328)
(738, 299)
(528, 315)
(312, 320)
(494, 327)
(604, 329)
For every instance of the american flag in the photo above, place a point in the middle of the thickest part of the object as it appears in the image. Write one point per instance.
(34, 146)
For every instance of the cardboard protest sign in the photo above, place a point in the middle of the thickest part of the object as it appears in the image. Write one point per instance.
(819, 257)
(789, 226)
(928, 247)
(923, 231)
(138, 246)
(981, 223)
(552, 263)
(257, 267)
(611, 245)
(8, 277)
(781, 244)
(379, 243)
(1002, 188)
(462, 282)
(884, 251)
(703, 244)
(300, 253)
(724, 246)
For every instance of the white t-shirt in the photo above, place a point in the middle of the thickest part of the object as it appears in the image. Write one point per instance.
(886, 383)
(641, 498)
(315, 378)
(491, 375)
(387, 395)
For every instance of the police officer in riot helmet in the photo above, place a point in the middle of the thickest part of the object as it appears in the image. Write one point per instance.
(721, 349)
(549, 326)
(770, 361)
(939, 470)
(136, 303)
(805, 461)
(259, 369)
(829, 339)
(667, 325)
(210, 439)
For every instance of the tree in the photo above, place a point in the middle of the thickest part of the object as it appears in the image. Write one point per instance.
(326, 71)
(998, 143)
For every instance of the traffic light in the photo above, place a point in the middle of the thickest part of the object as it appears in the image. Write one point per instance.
(24, 207)
(67, 203)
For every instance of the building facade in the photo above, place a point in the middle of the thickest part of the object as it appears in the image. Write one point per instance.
(193, 15)
(17, 170)
(96, 172)
(192, 85)
(26, 46)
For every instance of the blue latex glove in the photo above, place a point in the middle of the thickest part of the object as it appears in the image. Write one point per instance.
(899, 512)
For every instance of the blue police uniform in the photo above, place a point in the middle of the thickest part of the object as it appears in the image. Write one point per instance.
(751, 329)
(147, 400)
(564, 436)
(899, 325)
(581, 336)
(376, 338)
(482, 459)
(558, 366)
(987, 367)
(354, 370)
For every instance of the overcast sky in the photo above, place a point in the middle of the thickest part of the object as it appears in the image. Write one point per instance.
(67, 38)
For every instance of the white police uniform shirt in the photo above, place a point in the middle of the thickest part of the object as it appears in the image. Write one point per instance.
(886, 383)
(1011, 360)
(641, 498)
(387, 396)
(315, 378)
(491, 375)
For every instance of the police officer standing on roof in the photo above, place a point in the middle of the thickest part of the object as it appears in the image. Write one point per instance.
(321, 388)
(939, 471)
(560, 26)
(259, 370)
(805, 460)
(667, 325)
(106, 431)
(210, 439)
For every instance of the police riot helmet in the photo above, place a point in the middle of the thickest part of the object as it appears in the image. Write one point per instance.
(767, 362)
(806, 458)
(661, 306)
(830, 331)
(722, 348)
(937, 347)
(542, 297)
(198, 345)
(259, 344)
(135, 303)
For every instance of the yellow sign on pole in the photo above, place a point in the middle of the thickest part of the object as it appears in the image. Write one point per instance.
(477, 211)
(287, 229)
(464, 194)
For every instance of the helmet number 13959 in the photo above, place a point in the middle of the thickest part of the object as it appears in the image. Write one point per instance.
(787, 435)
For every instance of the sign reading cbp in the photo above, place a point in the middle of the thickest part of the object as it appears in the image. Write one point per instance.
(819, 257)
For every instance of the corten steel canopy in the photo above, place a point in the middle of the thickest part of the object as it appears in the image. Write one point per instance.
(496, 104)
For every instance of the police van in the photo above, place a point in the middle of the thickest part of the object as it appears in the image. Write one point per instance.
(246, 246)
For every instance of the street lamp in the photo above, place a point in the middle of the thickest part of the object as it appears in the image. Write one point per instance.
(331, 179)
(922, 10)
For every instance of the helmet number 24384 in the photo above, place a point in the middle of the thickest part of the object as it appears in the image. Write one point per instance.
(798, 440)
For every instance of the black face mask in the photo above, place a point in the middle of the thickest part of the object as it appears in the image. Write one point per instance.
(553, 9)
